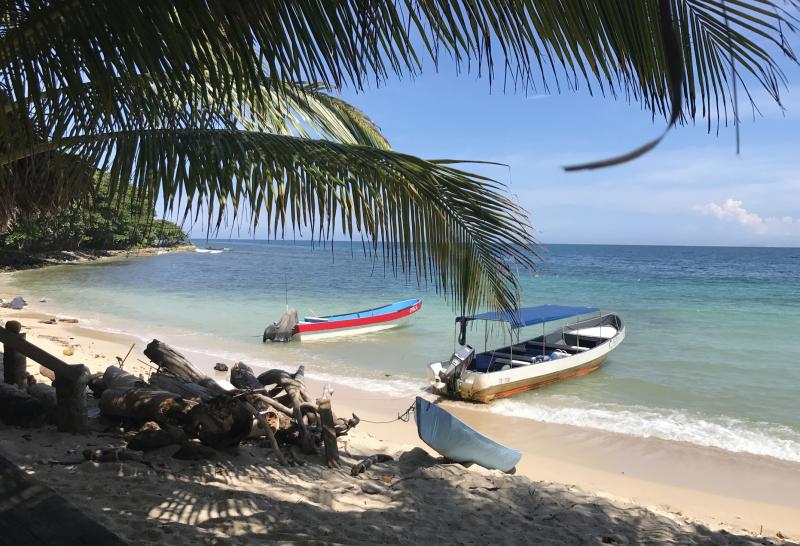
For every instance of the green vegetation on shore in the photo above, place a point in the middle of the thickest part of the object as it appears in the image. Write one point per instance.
(95, 222)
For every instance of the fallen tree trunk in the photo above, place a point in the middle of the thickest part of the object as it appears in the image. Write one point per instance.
(174, 363)
(18, 408)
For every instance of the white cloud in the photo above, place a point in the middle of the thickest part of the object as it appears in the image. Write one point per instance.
(733, 210)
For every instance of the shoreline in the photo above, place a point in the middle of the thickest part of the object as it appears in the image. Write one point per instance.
(716, 488)
(37, 260)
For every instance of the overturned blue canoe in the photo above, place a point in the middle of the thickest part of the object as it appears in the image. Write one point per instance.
(457, 441)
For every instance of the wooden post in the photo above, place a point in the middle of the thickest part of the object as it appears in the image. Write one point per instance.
(71, 400)
(14, 363)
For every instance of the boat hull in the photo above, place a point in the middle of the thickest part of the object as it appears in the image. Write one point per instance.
(457, 441)
(485, 387)
(354, 324)
(343, 332)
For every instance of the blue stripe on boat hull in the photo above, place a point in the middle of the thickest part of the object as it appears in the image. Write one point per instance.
(386, 309)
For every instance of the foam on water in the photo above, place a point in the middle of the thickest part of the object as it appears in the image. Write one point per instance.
(722, 432)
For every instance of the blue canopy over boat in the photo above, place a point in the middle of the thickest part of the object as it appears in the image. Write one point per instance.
(527, 316)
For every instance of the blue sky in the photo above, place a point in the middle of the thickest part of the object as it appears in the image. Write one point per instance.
(691, 190)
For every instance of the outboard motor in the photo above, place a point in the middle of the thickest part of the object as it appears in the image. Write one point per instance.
(459, 362)
(283, 330)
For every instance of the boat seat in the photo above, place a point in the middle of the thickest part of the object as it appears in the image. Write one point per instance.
(514, 363)
(515, 356)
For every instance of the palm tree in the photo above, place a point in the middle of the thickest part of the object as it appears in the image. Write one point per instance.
(222, 105)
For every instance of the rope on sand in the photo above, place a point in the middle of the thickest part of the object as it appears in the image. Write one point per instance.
(405, 417)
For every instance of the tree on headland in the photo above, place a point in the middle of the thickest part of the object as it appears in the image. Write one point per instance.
(94, 222)
(206, 104)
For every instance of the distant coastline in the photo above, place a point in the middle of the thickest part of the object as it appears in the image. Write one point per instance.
(13, 260)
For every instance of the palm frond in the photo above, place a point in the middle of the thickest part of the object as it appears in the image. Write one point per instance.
(237, 47)
(426, 217)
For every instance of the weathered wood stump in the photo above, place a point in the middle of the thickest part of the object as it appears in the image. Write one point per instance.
(71, 415)
(14, 362)
(329, 433)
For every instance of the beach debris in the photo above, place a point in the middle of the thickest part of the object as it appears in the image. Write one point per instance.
(16, 303)
(47, 372)
(69, 351)
(109, 455)
(154, 436)
(178, 404)
(48, 321)
(367, 462)
(43, 300)
(68, 320)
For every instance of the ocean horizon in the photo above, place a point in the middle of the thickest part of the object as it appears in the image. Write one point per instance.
(706, 360)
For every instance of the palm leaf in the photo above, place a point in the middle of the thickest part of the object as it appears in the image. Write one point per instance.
(237, 47)
(422, 216)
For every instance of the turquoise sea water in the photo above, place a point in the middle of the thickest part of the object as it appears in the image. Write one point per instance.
(712, 354)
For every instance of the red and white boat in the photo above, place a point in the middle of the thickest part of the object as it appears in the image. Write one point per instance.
(348, 324)
(360, 322)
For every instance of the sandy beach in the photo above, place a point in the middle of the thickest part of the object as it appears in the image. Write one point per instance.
(573, 485)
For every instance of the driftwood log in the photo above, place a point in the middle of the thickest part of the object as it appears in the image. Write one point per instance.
(144, 404)
(367, 462)
(171, 362)
(187, 389)
(116, 378)
(185, 405)
(294, 387)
